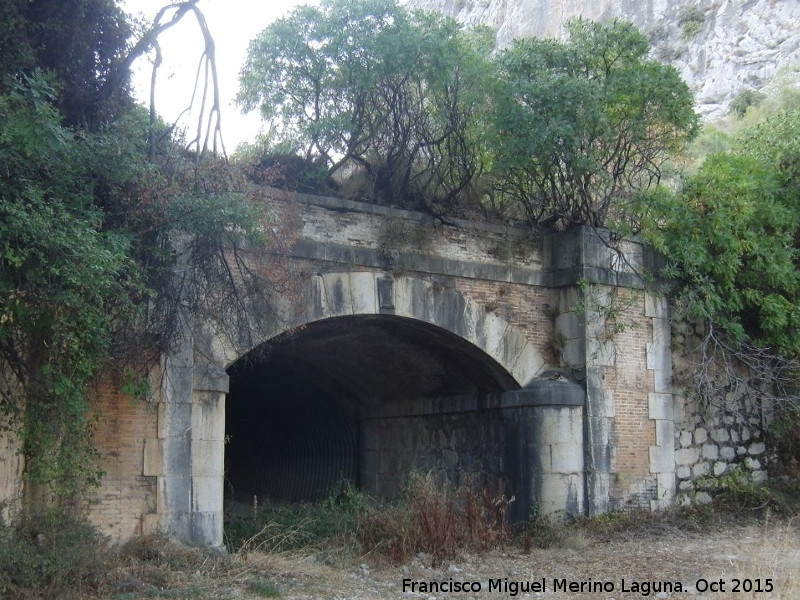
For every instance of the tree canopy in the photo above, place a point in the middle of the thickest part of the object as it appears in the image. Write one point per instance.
(556, 132)
(369, 85)
(733, 235)
(585, 124)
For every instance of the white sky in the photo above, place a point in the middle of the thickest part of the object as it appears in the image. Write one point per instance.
(233, 23)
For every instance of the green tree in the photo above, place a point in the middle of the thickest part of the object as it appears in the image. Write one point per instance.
(95, 215)
(733, 236)
(81, 43)
(366, 84)
(583, 126)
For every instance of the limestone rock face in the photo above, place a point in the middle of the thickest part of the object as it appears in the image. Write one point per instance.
(720, 47)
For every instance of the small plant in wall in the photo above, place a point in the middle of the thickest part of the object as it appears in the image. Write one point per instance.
(604, 309)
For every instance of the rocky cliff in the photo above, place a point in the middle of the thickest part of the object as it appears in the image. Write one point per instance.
(721, 47)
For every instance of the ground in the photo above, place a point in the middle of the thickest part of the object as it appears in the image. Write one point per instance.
(749, 554)
(762, 554)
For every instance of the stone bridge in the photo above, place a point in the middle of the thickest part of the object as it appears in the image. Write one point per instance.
(536, 366)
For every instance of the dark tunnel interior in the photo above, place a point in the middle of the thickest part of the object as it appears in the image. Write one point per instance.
(292, 414)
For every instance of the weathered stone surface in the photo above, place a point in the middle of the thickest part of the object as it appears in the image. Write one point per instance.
(700, 435)
(685, 439)
(687, 456)
(741, 44)
(660, 406)
(720, 435)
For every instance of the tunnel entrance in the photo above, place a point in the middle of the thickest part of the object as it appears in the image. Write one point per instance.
(310, 409)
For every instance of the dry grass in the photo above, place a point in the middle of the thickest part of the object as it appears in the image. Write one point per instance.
(678, 546)
(436, 520)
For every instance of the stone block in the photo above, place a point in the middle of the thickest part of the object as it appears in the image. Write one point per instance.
(687, 456)
(574, 352)
(719, 468)
(700, 435)
(363, 290)
(662, 381)
(174, 420)
(685, 439)
(558, 425)
(752, 463)
(656, 306)
(745, 434)
(208, 419)
(720, 435)
(176, 456)
(153, 458)
(666, 486)
(561, 493)
(601, 353)
(760, 477)
(528, 364)
(210, 377)
(683, 472)
(337, 294)
(206, 529)
(703, 498)
(174, 494)
(150, 523)
(568, 297)
(208, 458)
(566, 458)
(665, 433)
(659, 406)
(659, 357)
(710, 451)
(756, 449)
(207, 494)
(662, 459)
(570, 325)
(700, 469)
(727, 453)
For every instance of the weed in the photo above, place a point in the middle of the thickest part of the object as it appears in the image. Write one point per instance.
(284, 527)
(264, 588)
(437, 520)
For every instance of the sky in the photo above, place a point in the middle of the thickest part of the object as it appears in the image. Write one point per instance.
(233, 23)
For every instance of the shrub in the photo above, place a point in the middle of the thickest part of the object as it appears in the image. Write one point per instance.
(436, 520)
(53, 557)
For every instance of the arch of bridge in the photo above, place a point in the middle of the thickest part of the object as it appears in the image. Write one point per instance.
(331, 295)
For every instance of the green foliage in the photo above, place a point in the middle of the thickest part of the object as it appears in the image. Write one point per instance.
(81, 43)
(744, 100)
(584, 125)
(732, 237)
(93, 221)
(368, 85)
(284, 527)
(63, 281)
(691, 21)
(55, 557)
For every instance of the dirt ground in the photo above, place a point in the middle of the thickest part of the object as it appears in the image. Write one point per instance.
(762, 560)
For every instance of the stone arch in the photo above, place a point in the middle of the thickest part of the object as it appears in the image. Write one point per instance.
(331, 295)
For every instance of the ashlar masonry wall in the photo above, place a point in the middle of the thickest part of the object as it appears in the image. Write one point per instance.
(567, 309)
